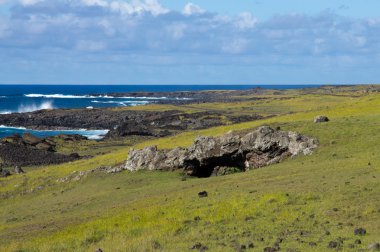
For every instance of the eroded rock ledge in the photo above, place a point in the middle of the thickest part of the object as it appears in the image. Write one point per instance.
(216, 155)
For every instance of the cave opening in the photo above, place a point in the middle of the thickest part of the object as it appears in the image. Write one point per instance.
(206, 168)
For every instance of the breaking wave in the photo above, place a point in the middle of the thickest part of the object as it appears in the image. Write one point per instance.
(90, 134)
(16, 128)
(33, 107)
(62, 96)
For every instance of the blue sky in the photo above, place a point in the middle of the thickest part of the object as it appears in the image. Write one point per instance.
(189, 42)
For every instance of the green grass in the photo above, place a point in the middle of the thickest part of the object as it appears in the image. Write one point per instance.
(148, 211)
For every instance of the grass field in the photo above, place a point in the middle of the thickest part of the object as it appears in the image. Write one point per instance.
(307, 202)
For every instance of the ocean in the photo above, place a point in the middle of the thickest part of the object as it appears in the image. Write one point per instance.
(28, 98)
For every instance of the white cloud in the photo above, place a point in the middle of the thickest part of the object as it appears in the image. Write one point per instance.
(177, 30)
(191, 9)
(29, 2)
(138, 7)
(142, 27)
(90, 46)
(246, 21)
(101, 3)
(4, 29)
(235, 46)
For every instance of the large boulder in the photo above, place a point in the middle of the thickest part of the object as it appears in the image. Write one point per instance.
(221, 155)
(29, 139)
(149, 158)
(44, 146)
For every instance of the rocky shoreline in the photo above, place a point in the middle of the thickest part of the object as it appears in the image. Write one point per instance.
(121, 123)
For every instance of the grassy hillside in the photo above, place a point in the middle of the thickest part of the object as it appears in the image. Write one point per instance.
(307, 202)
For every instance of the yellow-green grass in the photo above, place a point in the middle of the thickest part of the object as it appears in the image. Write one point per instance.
(293, 200)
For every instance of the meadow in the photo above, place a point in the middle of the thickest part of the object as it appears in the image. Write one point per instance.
(302, 204)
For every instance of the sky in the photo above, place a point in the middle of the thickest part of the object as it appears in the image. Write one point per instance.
(189, 42)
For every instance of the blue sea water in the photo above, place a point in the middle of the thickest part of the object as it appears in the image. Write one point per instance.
(27, 98)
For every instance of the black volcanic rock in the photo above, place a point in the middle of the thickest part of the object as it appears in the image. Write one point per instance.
(4, 173)
(121, 123)
(20, 155)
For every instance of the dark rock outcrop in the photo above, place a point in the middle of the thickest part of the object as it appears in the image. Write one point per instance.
(121, 123)
(69, 137)
(4, 173)
(208, 155)
(29, 150)
(360, 231)
(15, 154)
(30, 141)
(161, 124)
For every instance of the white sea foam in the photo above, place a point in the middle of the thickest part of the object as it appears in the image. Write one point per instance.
(7, 127)
(122, 103)
(142, 98)
(33, 107)
(90, 134)
(59, 96)
(154, 98)
(62, 96)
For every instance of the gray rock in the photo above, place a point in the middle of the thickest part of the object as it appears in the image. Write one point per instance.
(149, 158)
(320, 119)
(19, 170)
(374, 246)
(218, 155)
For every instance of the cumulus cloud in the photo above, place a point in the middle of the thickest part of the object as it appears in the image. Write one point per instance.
(148, 26)
(101, 3)
(246, 21)
(29, 2)
(191, 9)
(138, 7)
(143, 31)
